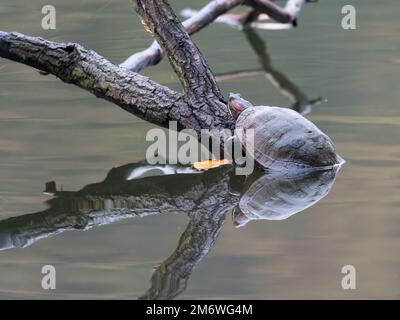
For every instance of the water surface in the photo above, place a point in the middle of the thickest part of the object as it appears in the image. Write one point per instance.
(53, 131)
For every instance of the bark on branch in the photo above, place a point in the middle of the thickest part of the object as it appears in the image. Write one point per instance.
(203, 18)
(186, 59)
(208, 14)
(133, 92)
(201, 90)
(73, 64)
(202, 106)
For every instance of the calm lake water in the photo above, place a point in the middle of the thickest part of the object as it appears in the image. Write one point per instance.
(53, 131)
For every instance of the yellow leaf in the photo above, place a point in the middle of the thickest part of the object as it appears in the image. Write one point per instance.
(209, 164)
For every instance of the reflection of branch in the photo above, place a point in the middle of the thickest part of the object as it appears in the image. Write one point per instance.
(171, 277)
(301, 101)
(114, 199)
(205, 197)
(246, 20)
(206, 220)
(266, 197)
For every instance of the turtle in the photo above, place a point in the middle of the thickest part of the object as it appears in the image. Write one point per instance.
(283, 138)
(279, 196)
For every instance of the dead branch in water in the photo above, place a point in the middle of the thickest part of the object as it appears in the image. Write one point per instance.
(201, 106)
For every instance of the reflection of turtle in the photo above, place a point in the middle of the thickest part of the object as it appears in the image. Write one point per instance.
(283, 139)
(277, 197)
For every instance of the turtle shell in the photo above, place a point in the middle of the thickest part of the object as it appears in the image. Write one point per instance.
(277, 197)
(284, 139)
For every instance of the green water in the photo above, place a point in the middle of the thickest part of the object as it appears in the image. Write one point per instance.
(53, 131)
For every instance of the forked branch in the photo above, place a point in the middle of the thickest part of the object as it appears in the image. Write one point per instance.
(154, 54)
(186, 59)
(201, 106)
(208, 14)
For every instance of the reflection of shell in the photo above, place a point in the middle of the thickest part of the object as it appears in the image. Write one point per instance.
(277, 198)
(284, 139)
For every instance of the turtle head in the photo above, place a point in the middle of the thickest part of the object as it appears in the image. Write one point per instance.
(237, 104)
(239, 218)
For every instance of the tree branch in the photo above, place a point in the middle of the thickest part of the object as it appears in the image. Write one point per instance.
(143, 59)
(73, 64)
(302, 103)
(133, 92)
(201, 90)
(202, 107)
(283, 15)
(203, 18)
(186, 59)
(208, 14)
